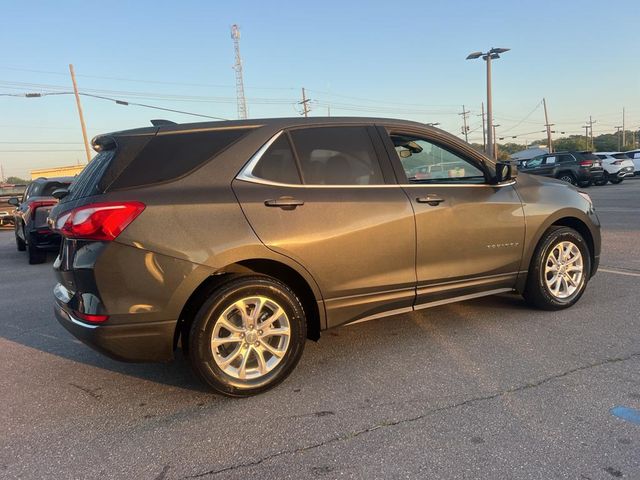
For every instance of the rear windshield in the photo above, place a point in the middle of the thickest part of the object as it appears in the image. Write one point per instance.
(86, 183)
(589, 156)
(620, 156)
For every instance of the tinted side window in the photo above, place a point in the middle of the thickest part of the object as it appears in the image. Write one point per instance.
(337, 156)
(277, 164)
(169, 156)
(565, 158)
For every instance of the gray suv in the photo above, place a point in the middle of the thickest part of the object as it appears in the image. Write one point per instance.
(240, 240)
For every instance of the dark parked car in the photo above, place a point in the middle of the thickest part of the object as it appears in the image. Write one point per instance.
(240, 240)
(577, 168)
(30, 218)
(7, 192)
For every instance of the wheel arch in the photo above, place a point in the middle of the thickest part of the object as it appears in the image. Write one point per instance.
(564, 219)
(305, 289)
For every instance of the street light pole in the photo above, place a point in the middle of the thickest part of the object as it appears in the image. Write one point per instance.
(492, 54)
(490, 132)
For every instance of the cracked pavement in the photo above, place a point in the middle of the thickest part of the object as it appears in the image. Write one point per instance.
(481, 389)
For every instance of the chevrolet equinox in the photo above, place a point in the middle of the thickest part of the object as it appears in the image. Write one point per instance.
(239, 240)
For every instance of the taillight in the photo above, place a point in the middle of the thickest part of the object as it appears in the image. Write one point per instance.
(99, 221)
(586, 163)
(39, 203)
(87, 317)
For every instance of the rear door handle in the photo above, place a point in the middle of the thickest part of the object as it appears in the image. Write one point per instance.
(430, 199)
(285, 203)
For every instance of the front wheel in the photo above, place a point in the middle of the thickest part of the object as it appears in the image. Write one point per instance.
(248, 336)
(568, 178)
(615, 180)
(559, 270)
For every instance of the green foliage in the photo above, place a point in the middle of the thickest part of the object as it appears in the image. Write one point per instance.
(16, 181)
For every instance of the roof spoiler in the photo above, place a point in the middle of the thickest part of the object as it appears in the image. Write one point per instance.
(159, 122)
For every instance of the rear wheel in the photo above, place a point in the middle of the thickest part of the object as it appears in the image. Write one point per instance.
(248, 336)
(559, 271)
(35, 255)
(567, 177)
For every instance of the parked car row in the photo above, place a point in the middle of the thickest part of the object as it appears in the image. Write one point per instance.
(32, 231)
(582, 168)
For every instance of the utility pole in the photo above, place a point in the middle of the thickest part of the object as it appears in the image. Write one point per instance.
(586, 137)
(304, 103)
(618, 135)
(591, 122)
(240, 98)
(1, 174)
(495, 144)
(465, 129)
(79, 105)
(548, 125)
(491, 130)
(484, 133)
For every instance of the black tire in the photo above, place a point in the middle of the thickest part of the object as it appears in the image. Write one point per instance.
(35, 255)
(585, 184)
(201, 354)
(567, 177)
(600, 183)
(615, 180)
(536, 293)
(21, 246)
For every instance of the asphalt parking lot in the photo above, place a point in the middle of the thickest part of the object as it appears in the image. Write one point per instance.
(481, 389)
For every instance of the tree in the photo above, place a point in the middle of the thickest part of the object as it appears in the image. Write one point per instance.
(16, 181)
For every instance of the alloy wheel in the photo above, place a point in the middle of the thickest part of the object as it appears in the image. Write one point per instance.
(251, 337)
(564, 270)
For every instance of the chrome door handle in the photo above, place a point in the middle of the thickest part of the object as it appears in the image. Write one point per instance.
(285, 203)
(430, 199)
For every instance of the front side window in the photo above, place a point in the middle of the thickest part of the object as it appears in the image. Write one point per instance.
(550, 160)
(427, 162)
(337, 156)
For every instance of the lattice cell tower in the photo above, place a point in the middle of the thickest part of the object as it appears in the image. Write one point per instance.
(242, 103)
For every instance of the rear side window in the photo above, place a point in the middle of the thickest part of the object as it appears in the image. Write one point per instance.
(620, 156)
(564, 158)
(337, 156)
(170, 156)
(277, 164)
(50, 187)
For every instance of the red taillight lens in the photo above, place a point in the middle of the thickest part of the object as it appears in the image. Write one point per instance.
(586, 163)
(40, 203)
(100, 221)
(91, 318)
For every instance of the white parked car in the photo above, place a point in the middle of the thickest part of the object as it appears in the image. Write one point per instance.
(634, 155)
(616, 166)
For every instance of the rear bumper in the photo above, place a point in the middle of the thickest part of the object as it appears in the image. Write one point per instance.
(44, 239)
(143, 342)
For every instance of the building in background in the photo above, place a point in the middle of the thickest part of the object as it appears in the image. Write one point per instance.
(69, 171)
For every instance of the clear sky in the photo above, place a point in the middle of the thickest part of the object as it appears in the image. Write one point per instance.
(401, 59)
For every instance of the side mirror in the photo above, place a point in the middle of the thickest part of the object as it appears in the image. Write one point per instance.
(14, 201)
(505, 171)
(60, 193)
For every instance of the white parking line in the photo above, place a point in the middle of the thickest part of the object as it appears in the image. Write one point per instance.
(631, 274)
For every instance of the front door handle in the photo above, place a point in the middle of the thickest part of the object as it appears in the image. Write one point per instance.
(430, 199)
(285, 203)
